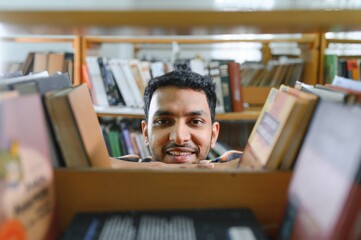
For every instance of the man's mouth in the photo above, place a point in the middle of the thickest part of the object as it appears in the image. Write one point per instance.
(180, 155)
(174, 153)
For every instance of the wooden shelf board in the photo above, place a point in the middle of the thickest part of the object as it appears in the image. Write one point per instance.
(247, 114)
(344, 41)
(43, 39)
(305, 39)
(290, 21)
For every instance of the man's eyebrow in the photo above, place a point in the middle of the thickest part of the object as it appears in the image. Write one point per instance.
(192, 113)
(162, 113)
(197, 113)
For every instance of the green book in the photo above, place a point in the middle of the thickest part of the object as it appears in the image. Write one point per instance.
(330, 67)
(113, 136)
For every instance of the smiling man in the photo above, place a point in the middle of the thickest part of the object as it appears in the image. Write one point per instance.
(179, 126)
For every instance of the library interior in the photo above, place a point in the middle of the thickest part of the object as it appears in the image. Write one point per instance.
(287, 80)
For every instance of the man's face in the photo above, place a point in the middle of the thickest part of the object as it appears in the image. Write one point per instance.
(179, 127)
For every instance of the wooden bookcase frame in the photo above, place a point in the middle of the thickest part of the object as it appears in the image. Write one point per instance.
(75, 41)
(265, 193)
(80, 190)
(325, 42)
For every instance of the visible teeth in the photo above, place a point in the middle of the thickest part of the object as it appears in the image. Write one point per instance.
(180, 153)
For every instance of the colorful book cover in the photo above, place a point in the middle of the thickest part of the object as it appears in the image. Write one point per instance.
(26, 176)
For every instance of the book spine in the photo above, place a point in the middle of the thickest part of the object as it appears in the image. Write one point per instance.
(100, 94)
(225, 88)
(125, 132)
(234, 72)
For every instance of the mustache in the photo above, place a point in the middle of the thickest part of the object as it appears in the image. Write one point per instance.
(174, 145)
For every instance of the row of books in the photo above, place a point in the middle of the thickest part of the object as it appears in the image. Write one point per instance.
(348, 67)
(34, 62)
(342, 90)
(119, 82)
(45, 122)
(285, 71)
(124, 137)
(74, 133)
(280, 129)
(73, 130)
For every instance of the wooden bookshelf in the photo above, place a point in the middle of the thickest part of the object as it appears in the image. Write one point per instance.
(75, 41)
(106, 190)
(325, 42)
(254, 96)
(110, 190)
(308, 43)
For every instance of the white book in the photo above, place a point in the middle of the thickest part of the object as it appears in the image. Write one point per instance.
(197, 66)
(138, 96)
(323, 93)
(137, 73)
(347, 83)
(122, 83)
(24, 78)
(157, 69)
(145, 70)
(96, 79)
(101, 97)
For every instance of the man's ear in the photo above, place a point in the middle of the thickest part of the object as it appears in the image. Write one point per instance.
(215, 132)
(145, 132)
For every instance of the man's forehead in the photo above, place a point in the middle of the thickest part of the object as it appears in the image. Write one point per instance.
(172, 100)
(172, 91)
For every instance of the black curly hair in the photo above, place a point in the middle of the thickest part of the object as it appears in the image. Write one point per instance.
(186, 80)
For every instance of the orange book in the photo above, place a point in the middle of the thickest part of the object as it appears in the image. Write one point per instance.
(352, 69)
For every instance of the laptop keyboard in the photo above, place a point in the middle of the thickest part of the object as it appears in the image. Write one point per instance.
(150, 228)
(200, 224)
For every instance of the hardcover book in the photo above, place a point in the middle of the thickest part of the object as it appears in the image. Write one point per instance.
(42, 86)
(234, 72)
(77, 128)
(26, 177)
(275, 129)
(298, 130)
(325, 191)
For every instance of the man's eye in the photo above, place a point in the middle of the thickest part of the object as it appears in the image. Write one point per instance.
(161, 121)
(196, 121)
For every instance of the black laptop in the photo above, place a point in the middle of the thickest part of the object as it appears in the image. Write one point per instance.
(199, 224)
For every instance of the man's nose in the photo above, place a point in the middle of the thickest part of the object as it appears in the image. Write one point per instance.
(179, 133)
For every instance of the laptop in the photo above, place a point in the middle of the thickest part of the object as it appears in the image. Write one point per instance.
(195, 224)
